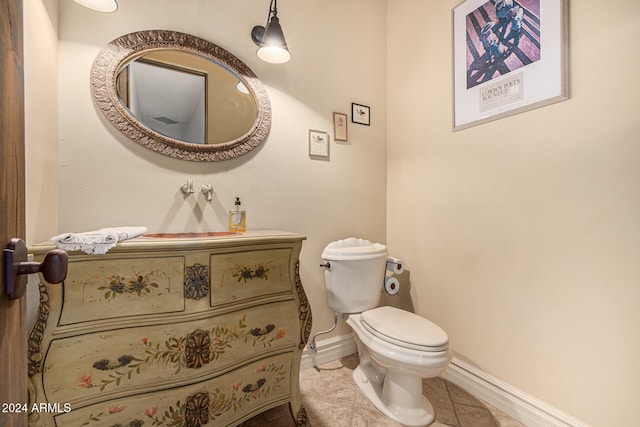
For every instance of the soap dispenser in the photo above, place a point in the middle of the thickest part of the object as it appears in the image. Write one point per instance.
(237, 218)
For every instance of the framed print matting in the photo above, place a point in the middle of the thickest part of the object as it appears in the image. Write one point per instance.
(318, 144)
(509, 56)
(340, 131)
(360, 114)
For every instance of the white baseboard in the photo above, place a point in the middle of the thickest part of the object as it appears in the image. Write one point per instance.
(328, 350)
(524, 408)
(518, 405)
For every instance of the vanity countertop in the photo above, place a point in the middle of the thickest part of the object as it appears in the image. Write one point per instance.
(144, 242)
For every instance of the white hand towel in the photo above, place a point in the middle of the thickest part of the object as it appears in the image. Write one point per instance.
(97, 241)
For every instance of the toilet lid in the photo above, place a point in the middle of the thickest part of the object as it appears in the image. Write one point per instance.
(405, 329)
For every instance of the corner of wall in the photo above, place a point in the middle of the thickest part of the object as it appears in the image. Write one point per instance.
(41, 116)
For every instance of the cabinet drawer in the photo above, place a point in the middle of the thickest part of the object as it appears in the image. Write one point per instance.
(218, 402)
(93, 367)
(237, 276)
(99, 289)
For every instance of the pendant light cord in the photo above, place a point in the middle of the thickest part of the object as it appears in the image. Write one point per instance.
(273, 9)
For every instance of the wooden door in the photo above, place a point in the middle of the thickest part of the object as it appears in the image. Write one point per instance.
(13, 329)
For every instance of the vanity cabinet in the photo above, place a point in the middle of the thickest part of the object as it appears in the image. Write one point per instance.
(171, 332)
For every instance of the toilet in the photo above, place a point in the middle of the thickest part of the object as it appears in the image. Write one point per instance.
(396, 348)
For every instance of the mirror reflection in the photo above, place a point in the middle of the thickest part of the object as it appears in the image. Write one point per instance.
(186, 97)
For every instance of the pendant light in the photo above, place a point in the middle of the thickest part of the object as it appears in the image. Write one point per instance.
(99, 5)
(270, 39)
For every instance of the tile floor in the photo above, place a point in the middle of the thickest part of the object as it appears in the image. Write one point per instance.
(332, 400)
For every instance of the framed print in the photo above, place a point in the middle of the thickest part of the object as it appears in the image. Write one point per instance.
(318, 144)
(508, 57)
(340, 127)
(360, 114)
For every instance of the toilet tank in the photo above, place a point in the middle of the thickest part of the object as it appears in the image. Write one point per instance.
(355, 274)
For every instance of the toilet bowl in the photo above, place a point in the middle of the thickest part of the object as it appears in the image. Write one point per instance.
(397, 349)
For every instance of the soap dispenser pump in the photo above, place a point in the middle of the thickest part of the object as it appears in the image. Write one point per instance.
(238, 218)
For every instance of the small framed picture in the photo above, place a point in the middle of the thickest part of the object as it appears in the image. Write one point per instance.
(318, 144)
(340, 127)
(360, 114)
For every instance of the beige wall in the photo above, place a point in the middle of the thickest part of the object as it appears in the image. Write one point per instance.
(41, 118)
(521, 235)
(108, 180)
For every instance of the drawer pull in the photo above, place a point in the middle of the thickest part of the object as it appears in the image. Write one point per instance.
(197, 410)
(196, 282)
(197, 349)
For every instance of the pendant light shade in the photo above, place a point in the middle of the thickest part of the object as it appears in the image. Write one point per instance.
(99, 5)
(272, 45)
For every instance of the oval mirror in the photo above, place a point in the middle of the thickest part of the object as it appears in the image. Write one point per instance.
(181, 96)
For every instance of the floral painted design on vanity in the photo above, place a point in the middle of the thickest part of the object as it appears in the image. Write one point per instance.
(168, 332)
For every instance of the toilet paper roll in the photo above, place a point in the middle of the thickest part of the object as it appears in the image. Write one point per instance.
(391, 285)
(395, 265)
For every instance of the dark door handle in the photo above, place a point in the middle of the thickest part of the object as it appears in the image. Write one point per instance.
(16, 267)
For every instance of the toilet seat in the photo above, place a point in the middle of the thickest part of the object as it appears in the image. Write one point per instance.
(404, 329)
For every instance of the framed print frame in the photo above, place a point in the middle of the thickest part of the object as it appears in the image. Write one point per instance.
(318, 144)
(340, 131)
(509, 56)
(360, 114)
